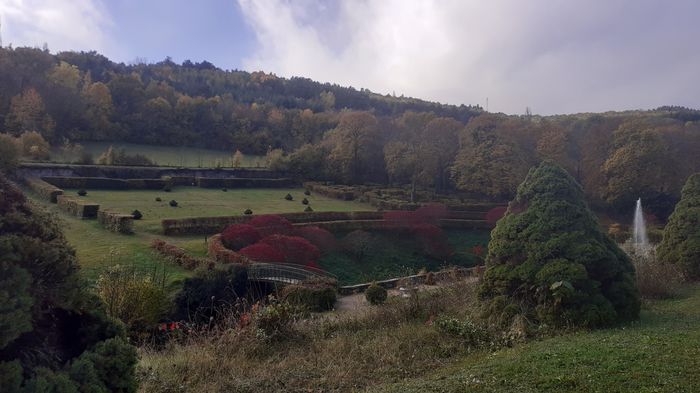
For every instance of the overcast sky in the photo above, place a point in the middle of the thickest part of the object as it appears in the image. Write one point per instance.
(554, 56)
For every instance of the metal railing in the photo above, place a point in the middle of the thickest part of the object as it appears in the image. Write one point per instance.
(285, 273)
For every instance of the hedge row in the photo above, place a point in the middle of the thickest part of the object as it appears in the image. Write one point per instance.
(116, 222)
(77, 207)
(44, 189)
(178, 255)
(345, 193)
(451, 274)
(219, 253)
(87, 182)
(209, 225)
(316, 294)
(208, 182)
(147, 184)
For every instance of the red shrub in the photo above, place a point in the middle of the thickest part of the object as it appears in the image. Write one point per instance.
(319, 237)
(428, 214)
(238, 236)
(295, 249)
(401, 218)
(272, 225)
(495, 214)
(261, 252)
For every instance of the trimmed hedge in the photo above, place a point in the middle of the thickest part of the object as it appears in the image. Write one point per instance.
(178, 255)
(45, 190)
(147, 184)
(210, 225)
(218, 252)
(116, 222)
(87, 182)
(208, 182)
(77, 207)
(316, 295)
(345, 193)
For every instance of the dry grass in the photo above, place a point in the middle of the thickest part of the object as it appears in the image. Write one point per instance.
(327, 352)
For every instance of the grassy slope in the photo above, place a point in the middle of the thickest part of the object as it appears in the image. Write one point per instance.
(660, 353)
(164, 155)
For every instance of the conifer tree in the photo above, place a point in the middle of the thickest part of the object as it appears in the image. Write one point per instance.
(549, 260)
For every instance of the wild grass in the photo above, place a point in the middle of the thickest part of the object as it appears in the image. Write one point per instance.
(163, 155)
(328, 352)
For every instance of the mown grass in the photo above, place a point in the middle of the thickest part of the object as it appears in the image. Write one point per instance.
(660, 353)
(396, 256)
(202, 202)
(164, 155)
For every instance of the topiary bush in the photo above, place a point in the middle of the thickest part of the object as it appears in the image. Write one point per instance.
(375, 294)
(307, 192)
(137, 215)
(289, 197)
(82, 192)
(681, 237)
(308, 209)
(238, 236)
(172, 203)
(54, 333)
(159, 199)
(248, 212)
(224, 189)
(548, 258)
(304, 201)
(317, 295)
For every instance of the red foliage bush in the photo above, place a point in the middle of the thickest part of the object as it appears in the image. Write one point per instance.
(495, 214)
(428, 214)
(272, 225)
(319, 237)
(261, 252)
(238, 236)
(294, 248)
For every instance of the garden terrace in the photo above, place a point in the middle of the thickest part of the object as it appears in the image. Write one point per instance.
(47, 191)
(104, 183)
(78, 208)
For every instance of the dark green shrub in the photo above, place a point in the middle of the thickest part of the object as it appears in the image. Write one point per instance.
(208, 292)
(248, 212)
(224, 189)
(137, 215)
(82, 192)
(681, 238)
(275, 320)
(315, 296)
(289, 197)
(172, 203)
(159, 199)
(375, 294)
(308, 209)
(548, 257)
(471, 334)
(304, 201)
(54, 333)
(307, 192)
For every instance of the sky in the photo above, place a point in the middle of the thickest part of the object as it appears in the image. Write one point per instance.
(553, 56)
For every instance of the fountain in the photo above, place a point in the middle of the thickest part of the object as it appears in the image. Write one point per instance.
(639, 235)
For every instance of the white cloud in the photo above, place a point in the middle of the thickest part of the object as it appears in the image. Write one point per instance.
(61, 24)
(554, 56)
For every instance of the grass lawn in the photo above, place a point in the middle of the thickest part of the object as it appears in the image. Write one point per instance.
(660, 353)
(396, 256)
(202, 202)
(164, 155)
(98, 248)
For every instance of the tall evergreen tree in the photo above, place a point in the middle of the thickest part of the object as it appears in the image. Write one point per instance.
(548, 258)
(681, 241)
(54, 334)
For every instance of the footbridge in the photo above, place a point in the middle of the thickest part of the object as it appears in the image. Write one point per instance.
(285, 273)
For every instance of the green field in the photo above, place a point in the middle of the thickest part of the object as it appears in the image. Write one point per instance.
(98, 248)
(163, 155)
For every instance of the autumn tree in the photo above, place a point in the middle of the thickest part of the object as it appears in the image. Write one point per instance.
(549, 260)
(10, 151)
(356, 147)
(98, 109)
(27, 113)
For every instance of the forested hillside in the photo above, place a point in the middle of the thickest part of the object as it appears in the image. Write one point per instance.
(329, 132)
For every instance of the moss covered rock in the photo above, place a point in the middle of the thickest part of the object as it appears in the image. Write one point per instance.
(549, 260)
(681, 238)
